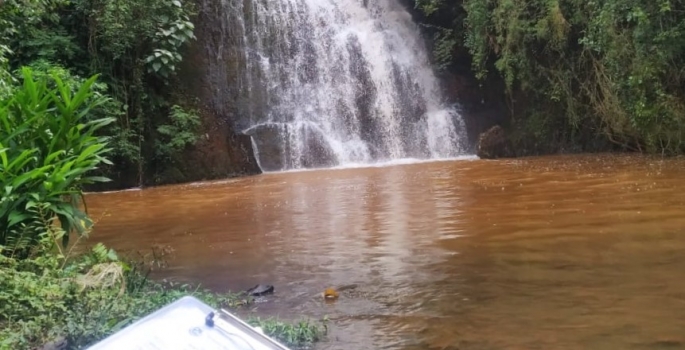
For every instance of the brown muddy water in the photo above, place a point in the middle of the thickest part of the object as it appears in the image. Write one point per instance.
(572, 252)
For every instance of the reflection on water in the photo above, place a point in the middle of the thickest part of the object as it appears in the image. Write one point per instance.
(579, 252)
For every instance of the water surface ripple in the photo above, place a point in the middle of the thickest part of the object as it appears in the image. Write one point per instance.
(572, 252)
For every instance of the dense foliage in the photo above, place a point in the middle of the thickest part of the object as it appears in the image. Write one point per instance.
(47, 299)
(55, 132)
(134, 46)
(47, 147)
(577, 68)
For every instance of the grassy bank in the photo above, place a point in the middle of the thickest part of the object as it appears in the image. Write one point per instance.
(48, 298)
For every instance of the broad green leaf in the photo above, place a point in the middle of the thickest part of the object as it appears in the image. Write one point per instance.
(83, 92)
(34, 174)
(48, 147)
(94, 179)
(89, 151)
(63, 90)
(16, 217)
(3, 156)
(21, 160)
(53, 156)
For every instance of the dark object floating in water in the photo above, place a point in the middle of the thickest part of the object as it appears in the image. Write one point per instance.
(260, 289)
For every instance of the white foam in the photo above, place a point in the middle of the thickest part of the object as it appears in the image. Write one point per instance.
(380, 164)
(309, 62)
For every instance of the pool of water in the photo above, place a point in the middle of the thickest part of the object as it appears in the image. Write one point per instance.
(564, 252)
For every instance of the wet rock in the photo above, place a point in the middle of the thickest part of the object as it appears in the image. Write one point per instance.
(270, 146)
(281, 146)
(317, 153)
(60, 343)
(260, 289)
(365, 97)
(494, 144)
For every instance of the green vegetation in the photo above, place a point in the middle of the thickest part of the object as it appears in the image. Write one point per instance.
(47, 145)
(46, 297)
(301, 334)
(576, 70)
(81, 300)
(135, 47)
(51, 145)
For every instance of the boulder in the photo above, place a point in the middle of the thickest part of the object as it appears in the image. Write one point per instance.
(271, 146)
(281, 146)
(494, 144)
(317, 153)
(260, 289)
(59, 343)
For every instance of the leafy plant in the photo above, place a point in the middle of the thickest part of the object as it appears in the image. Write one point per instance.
(81, 303)
(298, 334)
(122, 139)
(180, 133)
(83, 299)
(31, 30)
(135, 47)
(609, 69)
(6, 79)
(445, 41)
(47, 149)
(170, 37)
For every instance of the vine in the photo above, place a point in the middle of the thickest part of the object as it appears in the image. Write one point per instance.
(607, 68)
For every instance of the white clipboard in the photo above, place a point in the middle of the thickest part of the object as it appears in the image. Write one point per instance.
(189, 324)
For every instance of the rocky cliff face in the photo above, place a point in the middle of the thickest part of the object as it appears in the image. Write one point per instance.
(207, 76)
(482, 103)
(215, 72)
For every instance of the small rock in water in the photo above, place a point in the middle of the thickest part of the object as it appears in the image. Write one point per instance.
(60, 343)
(260, 289)
(260, 300)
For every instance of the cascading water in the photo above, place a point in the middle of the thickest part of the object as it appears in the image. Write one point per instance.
(336, 82)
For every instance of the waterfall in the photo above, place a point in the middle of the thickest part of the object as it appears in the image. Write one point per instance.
(322, 83)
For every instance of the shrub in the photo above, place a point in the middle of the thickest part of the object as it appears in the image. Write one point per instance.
(82, 302)
(607, 68)
(47, 149)
(178, 135)
(91, 296)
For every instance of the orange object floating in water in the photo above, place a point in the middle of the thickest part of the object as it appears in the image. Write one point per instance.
(330, 294)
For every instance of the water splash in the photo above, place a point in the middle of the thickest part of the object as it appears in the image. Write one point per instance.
(325, 83)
